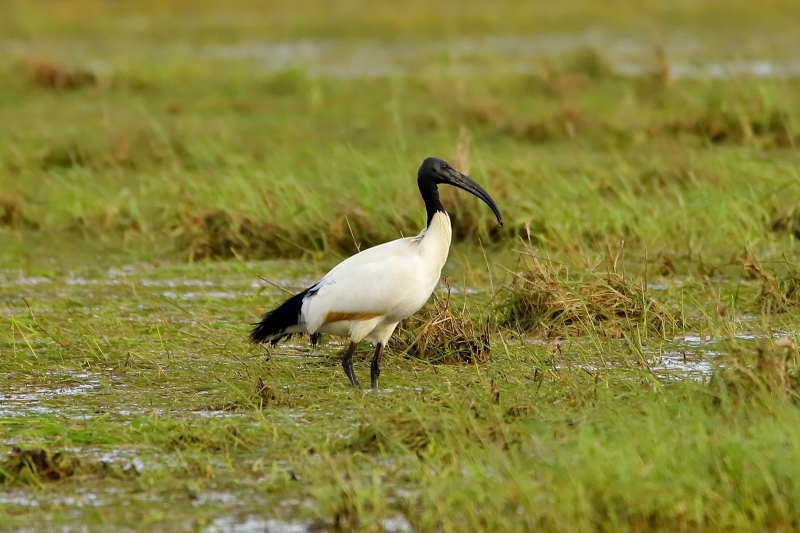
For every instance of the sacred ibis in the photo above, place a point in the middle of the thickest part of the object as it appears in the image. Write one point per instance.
(368, 294)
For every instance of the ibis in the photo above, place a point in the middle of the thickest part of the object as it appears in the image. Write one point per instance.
(365, 296)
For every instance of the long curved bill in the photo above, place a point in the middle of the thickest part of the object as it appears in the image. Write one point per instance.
(464, 182)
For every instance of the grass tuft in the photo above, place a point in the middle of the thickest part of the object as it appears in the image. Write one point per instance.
(544, 300)
(220, 234)
(57, 76)
(789, 222)
(773, 369)
(441, 333)
(36, 465)
(777, 293)
(589, 62)
(404, 431)
(12, 212)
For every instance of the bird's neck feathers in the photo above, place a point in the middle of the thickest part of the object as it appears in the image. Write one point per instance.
(435, 243)
(436, 237)
(430, 195)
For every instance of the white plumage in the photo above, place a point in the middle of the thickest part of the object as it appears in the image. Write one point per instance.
(368, 294)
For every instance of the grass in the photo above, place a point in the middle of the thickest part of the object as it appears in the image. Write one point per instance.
(544, 299)
(444, 332)
(170, 180)
(620, 356)
(174, 388)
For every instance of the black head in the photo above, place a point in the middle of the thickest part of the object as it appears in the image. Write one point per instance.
(435, 171)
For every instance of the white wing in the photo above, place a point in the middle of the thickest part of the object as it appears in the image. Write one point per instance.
(391, 280)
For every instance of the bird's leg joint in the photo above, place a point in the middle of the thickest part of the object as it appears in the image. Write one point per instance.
(375, 367)
(347, 365)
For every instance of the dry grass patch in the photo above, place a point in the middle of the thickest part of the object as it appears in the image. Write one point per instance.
(726, 126)
(571, 73)
(777, 293)
(656, 178)
(199, 439)
(405, 430)
(544, 300)
(589, 62)
(441, 333)
(56, 76)
(220, 234)
(12, 212)
(352, 229)
(469, 219)
(36, 466)
(773, 369)
(110, 218)
(780, 294)
(788, 222)
(565, 123)
(129, 150)
(223, 234)
(264, 394)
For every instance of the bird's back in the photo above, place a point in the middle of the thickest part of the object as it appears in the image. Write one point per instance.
(392, 280)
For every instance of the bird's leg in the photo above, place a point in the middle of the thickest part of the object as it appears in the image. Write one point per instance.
(347, 364)
(375, 368)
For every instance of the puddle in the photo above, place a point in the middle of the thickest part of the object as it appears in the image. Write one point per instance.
(29, 399)
(680, 364)
(686, 357)
(81, 292)
(254, 524)
(694, 357)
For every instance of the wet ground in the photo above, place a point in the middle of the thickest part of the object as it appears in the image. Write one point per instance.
(114, 315)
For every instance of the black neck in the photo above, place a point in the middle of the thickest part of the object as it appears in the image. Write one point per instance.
(430, 195)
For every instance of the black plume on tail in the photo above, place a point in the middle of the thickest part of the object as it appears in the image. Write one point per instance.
(273, 324)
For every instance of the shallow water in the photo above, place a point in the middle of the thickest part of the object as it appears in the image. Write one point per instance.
(691, 55)
(145, 297)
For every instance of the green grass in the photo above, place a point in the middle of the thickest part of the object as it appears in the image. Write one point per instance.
(654, 219)
(581, 437)
(117, 162)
